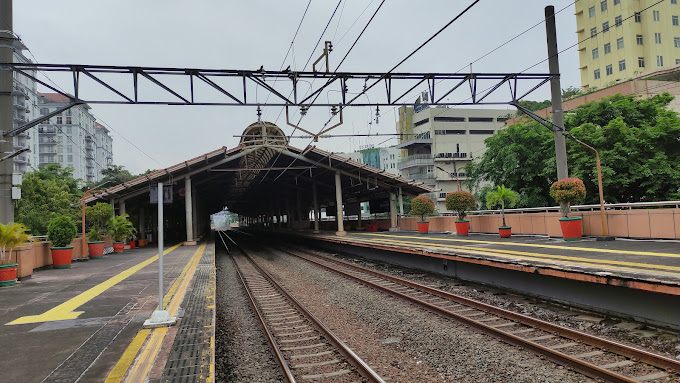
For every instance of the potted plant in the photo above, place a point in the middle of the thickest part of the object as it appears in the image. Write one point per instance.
(461, 202)
(422, 206)
(95, 244)
(567, 192)
(61, 231)
(120, 228)
(505, 198)
(11, 235)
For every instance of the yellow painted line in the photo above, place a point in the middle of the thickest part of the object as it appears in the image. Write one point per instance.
(141, 369)
(118, 373)
(66, 310)
(550, 257)
(572, 248)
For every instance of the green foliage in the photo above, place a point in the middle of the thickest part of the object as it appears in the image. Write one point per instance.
(61, 231)
(115, 174)
(422, 206)
(502, 197)
(46, 194)
(95, 234)
(98, 215)
(11, 235)
(567, 192)
(534, 105)
(460, 202)
(637, 140)
(120, 227)
(571, 92)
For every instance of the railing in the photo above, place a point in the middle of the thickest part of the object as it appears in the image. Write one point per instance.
(450, 155)
(608, 206)
(415, 160)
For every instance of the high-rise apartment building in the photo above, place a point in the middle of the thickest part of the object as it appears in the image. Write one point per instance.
(629, 38)
(73, 138)
(25, 109)
(441, 142)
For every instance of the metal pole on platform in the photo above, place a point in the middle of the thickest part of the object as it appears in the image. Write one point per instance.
(6, 112)
(556, 93)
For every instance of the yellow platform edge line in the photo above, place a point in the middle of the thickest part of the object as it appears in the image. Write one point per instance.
(141, 368)
(67, 309)
(120, 369)
(500, 252)
(571, 248)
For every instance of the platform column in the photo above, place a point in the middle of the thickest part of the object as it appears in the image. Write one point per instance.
(338, 205)
(112, 201)
(393, 213)
(315, 206)
(121, 207)
(142, 224)
(401, 202)
(288, 213)
(188, 210)
(194, 218)
(360, 226)
(299, 210)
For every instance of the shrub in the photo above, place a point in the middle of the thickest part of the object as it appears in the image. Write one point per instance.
(422, 206)
(120, 227)
(98, 215)
(61, 231)
(11, 235)
(94, 235)
(567, 192)
(460, 202)
(502, 196)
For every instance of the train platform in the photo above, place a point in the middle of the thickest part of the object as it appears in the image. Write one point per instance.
(85, 323)
(636, 264)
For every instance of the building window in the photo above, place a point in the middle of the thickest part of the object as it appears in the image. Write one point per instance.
(68, 120)
(68, 130)
(676, 42)
(69, 148)
(605, 27)
(618, 21)
(603, 6)
(638, 38)
(675, 20)
(677, 61)
(60, 158)
(59, 120)
(591, 11)
(609, 69)
(607, 48)
(674, 1)
(69, 158)
(616, 2)
(619, 43)
(641, 62)
(655, 15)
(472, 131)
(596, 53)
(422, 122)
(450, 119)
(659, 60)
(593, 32)
(622, 65)
(44, 111)
(638, 17)
(596, 74)
(657, 37)
(480, 119)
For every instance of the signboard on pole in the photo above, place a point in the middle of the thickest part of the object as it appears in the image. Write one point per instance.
(167, 194)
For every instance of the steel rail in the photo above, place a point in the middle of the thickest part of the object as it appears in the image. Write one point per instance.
(586, 368)
(270, 338)
(364, 369)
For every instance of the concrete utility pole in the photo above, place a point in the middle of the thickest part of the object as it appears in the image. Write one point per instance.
(556, 93)
(6, 112)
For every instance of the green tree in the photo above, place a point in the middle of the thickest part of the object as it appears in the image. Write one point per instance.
(46, 194)
(502, 197)
(98, 215)
(571, 92)
(116, 174)
(637, 140)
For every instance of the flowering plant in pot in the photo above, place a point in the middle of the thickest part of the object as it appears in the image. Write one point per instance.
(120, 228)
(422, 206)
(567, 192)
(11, 235)
(61, 231)
(505, 198)
(461, 202)
(95, 245)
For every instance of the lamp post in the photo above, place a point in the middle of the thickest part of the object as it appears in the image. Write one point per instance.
(82, 210)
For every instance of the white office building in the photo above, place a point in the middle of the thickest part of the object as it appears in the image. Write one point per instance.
(439, 142)
(25, 109)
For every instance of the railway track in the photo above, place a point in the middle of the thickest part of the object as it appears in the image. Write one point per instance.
(595, 357)
(305, 349)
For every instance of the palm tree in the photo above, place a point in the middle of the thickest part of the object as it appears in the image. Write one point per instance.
(11, 235)
(502, 196)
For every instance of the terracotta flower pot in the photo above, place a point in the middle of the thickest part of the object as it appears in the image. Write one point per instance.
(133, 244)
(462, 227)
(143, 242)
(423, 227)
(61, 257)
(118, 247)
(8, 274)
(571, 228)
(505, 231)
(96, 249)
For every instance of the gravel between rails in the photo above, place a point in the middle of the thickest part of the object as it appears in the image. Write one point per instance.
(404, 343)
(242, 352)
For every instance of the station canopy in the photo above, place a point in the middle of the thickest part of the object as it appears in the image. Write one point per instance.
(264, 169)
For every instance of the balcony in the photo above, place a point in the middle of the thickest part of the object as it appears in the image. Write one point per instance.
(426, 178)
(449, 156)
(19, 117)
(20, 91)
(21, 159)
(46, 141)
(418, 140)
(47, 160)
(20, 104)
(48, 130)
(88, 138)
(415, 160)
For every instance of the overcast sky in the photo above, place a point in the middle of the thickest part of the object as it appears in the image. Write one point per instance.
(249, 34)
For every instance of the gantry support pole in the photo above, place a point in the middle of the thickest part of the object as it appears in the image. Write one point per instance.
(393, 213)
(189, 211)
(315, 202)
(338, 205)
(556, 93)
(401, 202)
(6, 112)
